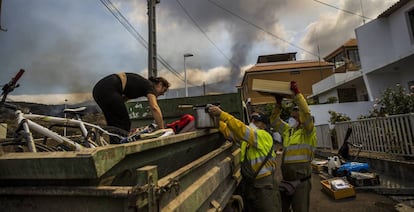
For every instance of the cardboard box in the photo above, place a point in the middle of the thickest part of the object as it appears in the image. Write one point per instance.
(272, 87)
(364, 179)
(347, 192)
(316, 168)
(319, 165)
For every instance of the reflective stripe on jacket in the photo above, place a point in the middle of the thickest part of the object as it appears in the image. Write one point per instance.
(298, 143)
(259, 143)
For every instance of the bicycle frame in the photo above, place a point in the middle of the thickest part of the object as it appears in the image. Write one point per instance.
(27, 124)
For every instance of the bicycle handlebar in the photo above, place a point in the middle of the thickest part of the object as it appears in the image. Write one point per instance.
(11, 85)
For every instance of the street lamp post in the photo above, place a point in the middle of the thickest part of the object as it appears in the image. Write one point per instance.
(185, 73)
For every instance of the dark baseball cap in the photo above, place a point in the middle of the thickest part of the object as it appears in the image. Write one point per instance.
(259, 116)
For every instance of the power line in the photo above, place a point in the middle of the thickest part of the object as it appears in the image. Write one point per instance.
(260, 28)
(343, 10)
(127, 25)
(118, 15)
(205, 34)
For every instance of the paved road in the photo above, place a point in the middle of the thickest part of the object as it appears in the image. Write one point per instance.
(364, 201)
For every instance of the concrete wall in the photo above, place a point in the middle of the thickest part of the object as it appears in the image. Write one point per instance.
(385, 40)
(351, 109)
(378, 82)
(324, 97)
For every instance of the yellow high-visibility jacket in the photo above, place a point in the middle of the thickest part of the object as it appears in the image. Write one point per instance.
(298, 143)
(257, 142)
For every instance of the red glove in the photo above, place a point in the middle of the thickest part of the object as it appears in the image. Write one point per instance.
(294, 87)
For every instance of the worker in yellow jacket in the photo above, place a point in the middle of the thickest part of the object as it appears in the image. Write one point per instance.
(261, 191)
(299, 140)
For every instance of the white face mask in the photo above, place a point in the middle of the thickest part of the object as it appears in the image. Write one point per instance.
(252, 125)
(292, 122)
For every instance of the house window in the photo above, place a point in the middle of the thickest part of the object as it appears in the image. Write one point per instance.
(410, 15)
(347, 95)
(354, 56)
(339, 60)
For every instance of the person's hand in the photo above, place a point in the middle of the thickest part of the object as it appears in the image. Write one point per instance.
(278, 98)
(294, 87)
(214, 110)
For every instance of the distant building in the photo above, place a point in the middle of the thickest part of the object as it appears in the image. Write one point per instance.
(346, 57)
(346, 84)
(283, 67)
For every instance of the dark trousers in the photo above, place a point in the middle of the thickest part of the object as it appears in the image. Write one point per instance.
(108, 95)
(261, 195)
(300, 200)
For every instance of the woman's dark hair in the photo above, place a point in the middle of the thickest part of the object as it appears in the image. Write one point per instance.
(161, 80)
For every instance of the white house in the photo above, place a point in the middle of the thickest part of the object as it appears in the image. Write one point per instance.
(386, 48)
(386, 53)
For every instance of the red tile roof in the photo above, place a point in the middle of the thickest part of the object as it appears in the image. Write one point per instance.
(287, 65)
(350, 43)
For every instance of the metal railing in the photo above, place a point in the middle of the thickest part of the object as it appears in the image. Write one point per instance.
(323, 136)
(392, 135)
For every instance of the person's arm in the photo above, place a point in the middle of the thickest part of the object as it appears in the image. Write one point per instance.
(275, 121)
(155, 110)
(225, 131)
(238, 130)
(304, 111)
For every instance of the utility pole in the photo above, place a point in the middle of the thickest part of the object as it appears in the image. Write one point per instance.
(152, 42)
(185, 73)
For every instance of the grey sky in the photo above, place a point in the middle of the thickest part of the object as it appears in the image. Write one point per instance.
(67, 46)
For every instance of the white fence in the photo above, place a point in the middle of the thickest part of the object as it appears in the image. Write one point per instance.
(392, 134)
(323, 136)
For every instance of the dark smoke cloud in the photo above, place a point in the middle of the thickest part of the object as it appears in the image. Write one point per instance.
(242, 35)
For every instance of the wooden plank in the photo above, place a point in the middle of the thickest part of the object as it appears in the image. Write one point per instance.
(271, 86)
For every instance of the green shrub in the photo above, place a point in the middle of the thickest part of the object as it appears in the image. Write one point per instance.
(337, 117)
(332, 99)
(393, 101)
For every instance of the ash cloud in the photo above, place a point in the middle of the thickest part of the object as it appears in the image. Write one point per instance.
(67, 46)
(242, 36)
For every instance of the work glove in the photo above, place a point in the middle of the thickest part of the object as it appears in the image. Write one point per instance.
(294, 87)
(214, 110)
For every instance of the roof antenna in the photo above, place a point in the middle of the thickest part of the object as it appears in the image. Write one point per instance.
(362, 12)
